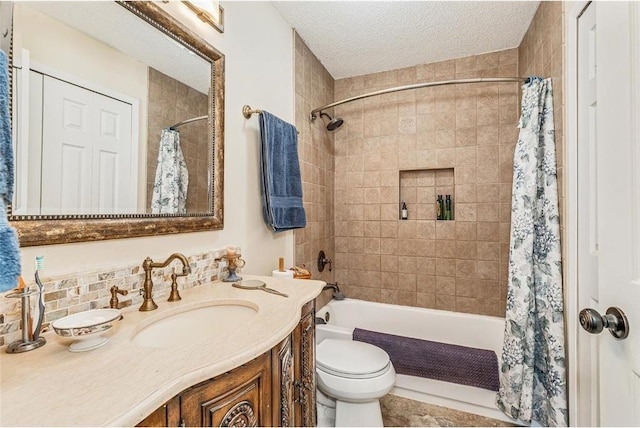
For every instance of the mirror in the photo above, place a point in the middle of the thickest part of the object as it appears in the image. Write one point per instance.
(92, 109)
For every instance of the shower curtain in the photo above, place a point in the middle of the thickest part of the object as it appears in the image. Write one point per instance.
(532, 372)
(172, 178)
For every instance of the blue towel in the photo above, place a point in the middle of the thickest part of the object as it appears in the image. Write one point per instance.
(282, 207)
(9, 248)
(9, 253)
(6, 148)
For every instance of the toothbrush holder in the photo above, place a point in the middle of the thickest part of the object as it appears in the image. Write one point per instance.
(27, 343)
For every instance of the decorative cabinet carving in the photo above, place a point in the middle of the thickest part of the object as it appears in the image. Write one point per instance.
(238, 398)
(304, 338)
(275, 389)
(283, 384)
(294, 393)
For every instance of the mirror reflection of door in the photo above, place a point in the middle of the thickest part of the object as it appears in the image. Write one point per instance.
(164, 82)
(86, 151)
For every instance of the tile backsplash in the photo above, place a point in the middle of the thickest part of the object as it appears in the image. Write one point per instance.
(81, 291)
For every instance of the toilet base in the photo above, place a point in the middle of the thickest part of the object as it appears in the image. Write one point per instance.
(326, 415)
(365, 414)
(325, 409)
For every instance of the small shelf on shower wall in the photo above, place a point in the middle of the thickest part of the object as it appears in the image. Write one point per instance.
(419, 190)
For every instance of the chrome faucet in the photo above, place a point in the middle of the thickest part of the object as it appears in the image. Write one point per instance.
(147, 288)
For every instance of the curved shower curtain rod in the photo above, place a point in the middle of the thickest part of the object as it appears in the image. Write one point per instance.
(314, 113)
(184, 122)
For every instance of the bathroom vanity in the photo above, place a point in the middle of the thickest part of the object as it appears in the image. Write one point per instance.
(275, 389)
(256, 372)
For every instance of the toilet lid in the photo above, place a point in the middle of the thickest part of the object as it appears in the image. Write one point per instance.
(351, 359)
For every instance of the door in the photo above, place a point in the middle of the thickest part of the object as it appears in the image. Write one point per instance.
(615, 196)
(588, 415)
(86, 151)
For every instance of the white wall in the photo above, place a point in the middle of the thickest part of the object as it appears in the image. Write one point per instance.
(258, 46)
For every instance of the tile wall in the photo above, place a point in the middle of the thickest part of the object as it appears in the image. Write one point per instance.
(541, 53)
(81, 291)
(314, 88)
(452, 265)
(170, 102)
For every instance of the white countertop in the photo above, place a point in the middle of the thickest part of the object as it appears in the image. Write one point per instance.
(121, 383)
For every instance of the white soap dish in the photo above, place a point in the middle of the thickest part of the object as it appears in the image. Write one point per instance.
(86, 329)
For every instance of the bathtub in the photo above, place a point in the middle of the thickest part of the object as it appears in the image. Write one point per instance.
(475, 331)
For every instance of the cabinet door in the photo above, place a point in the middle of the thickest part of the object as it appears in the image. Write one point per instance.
(241, 397)
(283, 386)
(305, 367)
(166, 416)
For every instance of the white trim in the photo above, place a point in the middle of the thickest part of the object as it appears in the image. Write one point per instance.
(86, 84)
(635, 136)
(22, 151)
(106, 91)
(571, 220)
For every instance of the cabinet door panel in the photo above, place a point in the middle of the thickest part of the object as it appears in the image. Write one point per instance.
(305, 359)
(167, 415)
(283, 390)
(241, 397)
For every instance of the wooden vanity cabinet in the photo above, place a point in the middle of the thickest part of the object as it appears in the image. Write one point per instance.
(274, 389)
(294, 387)
(304, 338)
(166, 416)
(240, 397)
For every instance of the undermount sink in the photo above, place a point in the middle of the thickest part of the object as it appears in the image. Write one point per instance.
(196, 325)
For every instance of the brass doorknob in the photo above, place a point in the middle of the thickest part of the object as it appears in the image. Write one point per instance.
(614, 320)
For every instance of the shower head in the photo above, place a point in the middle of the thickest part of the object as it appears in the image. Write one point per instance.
(334, 123)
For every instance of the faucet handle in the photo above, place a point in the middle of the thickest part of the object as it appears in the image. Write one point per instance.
(323, 260)
(174, 296)
(113, 303)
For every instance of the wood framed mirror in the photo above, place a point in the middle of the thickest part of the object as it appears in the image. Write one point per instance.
(65, 195)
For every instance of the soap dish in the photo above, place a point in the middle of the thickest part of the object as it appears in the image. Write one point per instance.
(86, 328)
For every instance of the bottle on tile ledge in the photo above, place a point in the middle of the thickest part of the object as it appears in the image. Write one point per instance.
(439, 208)
(448, 208)
(404, 213)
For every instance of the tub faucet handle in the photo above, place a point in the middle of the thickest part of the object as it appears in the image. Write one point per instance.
(323, 260)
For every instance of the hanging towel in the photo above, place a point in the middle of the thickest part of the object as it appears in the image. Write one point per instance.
(9, 253)
(172, 177)
(282, 207)
(9, 248)
(6, 147)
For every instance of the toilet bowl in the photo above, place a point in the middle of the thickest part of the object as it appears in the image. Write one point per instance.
(356, 375)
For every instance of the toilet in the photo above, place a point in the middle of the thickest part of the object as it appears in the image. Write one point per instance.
(352, 377)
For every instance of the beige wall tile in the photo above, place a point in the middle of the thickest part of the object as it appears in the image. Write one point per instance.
(446, 303)
(394, 143)
(466, 269)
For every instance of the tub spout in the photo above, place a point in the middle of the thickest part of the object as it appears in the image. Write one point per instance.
(337, 294)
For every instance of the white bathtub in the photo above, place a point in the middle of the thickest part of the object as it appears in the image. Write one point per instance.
(476, 331)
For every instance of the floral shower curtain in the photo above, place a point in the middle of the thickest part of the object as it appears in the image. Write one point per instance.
(172, 178)
(532, 372)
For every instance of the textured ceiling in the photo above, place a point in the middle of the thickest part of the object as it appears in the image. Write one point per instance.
(352, 38)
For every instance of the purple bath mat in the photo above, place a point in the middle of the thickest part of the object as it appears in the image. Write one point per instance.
(435, 360)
